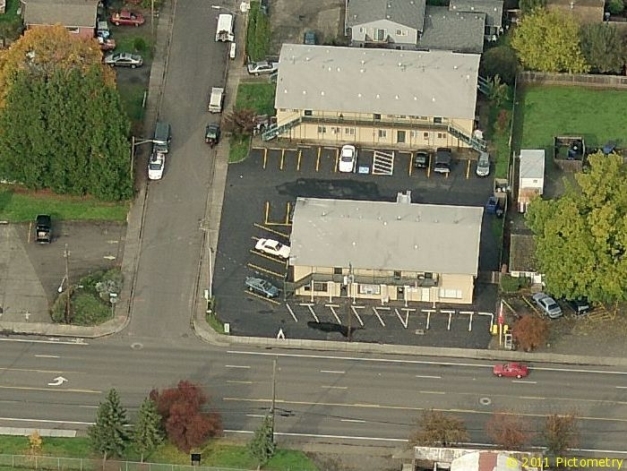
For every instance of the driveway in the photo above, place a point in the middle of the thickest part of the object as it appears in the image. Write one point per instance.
(173, 221)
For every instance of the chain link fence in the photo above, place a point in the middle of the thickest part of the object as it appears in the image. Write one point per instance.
(586, 80)
(53, 463)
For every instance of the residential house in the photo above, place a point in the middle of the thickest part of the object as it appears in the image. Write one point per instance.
(384, 251)
(468, 459)
(411, 24)
(398, 24)
(493, 10)
(78, 16)
(382, 97)
(584, 11)
(522, 263)
(530, 176)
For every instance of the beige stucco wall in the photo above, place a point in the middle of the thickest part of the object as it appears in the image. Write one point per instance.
(362, 129)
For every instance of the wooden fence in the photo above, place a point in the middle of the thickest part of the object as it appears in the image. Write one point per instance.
(585, 80)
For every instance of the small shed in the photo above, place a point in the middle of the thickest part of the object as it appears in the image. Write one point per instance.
(530, 176)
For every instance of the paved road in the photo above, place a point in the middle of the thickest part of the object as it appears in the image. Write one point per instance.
(319, 395)
(172, 229)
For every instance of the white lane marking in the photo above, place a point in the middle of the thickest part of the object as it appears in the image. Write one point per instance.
(524, 381)
(416, 362)
(45, 421)
(313, 435)
(431, 392)
(246, 367)
(428, 377)
(238, 382)
(88, 407)
(256, 415)
(353, 421)
(333, 372)
(334, 387)
(621, 387)
(53, 342)
(534, 398)
(47, 356)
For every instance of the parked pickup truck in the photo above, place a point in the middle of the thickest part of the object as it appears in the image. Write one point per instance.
(215, 100)
(43, 229)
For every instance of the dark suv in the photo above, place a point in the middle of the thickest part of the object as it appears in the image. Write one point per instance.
(422, 159)
(443, 160)
(581, 306)
(43, 229)
(212, 134)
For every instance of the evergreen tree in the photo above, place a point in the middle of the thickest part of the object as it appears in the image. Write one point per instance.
(147, 434)
(262, 447)
(110, 435)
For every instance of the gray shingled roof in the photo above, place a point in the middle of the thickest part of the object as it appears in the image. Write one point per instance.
(69, 13)
(410, 13)
(386, 236)
(492, 8)
(453, 31)
(385, 81)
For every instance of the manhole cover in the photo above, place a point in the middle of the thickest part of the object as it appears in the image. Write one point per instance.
(485, 401)
(137, 346)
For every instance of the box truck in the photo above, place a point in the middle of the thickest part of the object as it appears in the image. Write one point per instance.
(224, 32)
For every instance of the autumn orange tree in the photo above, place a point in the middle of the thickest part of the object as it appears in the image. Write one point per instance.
(62, 124)
(183, 419)
(509, 431)
(530, 332)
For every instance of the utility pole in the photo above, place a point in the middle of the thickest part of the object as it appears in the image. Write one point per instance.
(349, 292)
(66, 255)
(272, 407)
(132, 156)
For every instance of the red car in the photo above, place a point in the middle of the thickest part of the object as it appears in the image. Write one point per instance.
(127, 18)
(511, 370)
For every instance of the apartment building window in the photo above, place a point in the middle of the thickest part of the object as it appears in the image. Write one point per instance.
(382, 133)
(413, 134)
(319, 286)
(402, 116)
(308, 113)
(441, 135)
(349, 131)
(381, 34)
(397, 275)
(426, 136)
(337, 271)
(322, 129)
(450, 294)
(400, 136)
(336, 130)
(401, 32)
(73, 30)
(369, 289)
(437, 120)
(376, 116)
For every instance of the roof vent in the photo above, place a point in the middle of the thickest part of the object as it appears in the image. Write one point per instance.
(433, 99)
(322, 93)
(385, 223)
(359, 95)
(307, 59)
(415, 246)
(455, 67)
(304, 92)
(362, 70)
(354, 243)
(378, 96)
(339, 70)
(396, 97)
(472, 8)
(387, 16)
(363, 62)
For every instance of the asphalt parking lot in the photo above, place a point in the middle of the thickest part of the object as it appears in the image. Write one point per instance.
(259, 195)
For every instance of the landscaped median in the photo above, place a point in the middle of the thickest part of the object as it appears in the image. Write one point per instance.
(77, 454)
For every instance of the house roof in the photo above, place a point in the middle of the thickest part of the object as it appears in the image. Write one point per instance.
(453, 31)
(410, 13)
(69, 13)
(522, 249)
(486, 461)
(385, 81)
(492, 8)
(386, 236)
(532, 164)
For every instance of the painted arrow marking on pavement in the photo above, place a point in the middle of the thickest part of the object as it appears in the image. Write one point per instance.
(58, 381)
(110, 257)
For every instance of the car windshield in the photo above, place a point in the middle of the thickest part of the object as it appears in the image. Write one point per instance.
(155, 165)
(550, 306)
(347, 157)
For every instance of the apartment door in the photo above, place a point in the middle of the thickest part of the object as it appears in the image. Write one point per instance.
(400, 136)
(400, 293)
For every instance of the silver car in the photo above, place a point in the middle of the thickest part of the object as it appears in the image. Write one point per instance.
(263, 67)
(548, 305)
(124, 59)
(483, 165)
(262, 287)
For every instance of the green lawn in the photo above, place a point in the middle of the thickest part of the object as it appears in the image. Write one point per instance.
(597, 115)
(259, 34)
(239, 149)
(132, 96)
(256, 96)
(18, 205)
(10, 12)
(217, 453)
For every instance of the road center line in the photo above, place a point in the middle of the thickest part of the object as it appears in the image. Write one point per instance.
(233, 381)
(354, 421)
(522, 381)
(47, 356)
(334, 387)
(261, 416)
(245, 367)
(428, 377)
(52, 389)
(26, 370)
(431, 392)
(621, 387)
(333, 372)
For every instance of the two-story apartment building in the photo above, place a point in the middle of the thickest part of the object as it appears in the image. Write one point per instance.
(78, 16)
(384, 250)
(376, 97)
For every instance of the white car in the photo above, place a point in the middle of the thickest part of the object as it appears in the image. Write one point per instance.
(156, 164)
(483, 165)
(263, 67)
(348, 159)
(272, 247)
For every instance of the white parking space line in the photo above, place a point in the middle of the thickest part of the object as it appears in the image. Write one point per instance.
(246, 367)
(431, 392)
(47, 356)
(289, 308)
(353, 421)
(334, 387)
(428, 377)
(333, 372)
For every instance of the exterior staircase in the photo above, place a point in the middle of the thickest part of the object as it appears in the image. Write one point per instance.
(474, 142)
(274, 130)
(483, 85)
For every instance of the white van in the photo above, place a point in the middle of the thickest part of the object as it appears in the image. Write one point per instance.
(232, 51)
(215, 100)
